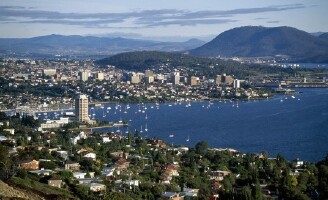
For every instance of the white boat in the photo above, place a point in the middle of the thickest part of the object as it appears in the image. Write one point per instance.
(146, 117)
(187, 140)
(141, 129)
(171, 136)
(293, 97)
(146, 129)
(109, 108)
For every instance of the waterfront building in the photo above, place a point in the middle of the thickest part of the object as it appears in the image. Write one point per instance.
(236, 83)
(82, 108)
(227, 79)
(218, 79)
(194, 80)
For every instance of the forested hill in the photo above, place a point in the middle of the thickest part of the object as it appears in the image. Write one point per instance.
(257, 41)
(142, 60)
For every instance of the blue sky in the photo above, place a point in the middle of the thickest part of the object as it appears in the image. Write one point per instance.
(160, 20)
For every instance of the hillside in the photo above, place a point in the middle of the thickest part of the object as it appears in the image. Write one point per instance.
(324, 36)
(8, 192)
(254, 41)
(88, 45)
(210, 67)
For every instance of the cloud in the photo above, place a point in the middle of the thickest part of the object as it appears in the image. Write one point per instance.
(273, 22)
(191, 22)
(133, 19)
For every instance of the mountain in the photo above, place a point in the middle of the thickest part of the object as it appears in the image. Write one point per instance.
(317, 34)
(324, 36)
(251, 41)
(86, 45)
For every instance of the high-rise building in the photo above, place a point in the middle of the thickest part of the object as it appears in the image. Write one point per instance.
(149, 73)
(135, 79)
(236, 83)
(175, 76)
(84, 75)
(82, 108)
(100, 76)
(218, 80)
(194, 80)
(227, 79)
(149, 76)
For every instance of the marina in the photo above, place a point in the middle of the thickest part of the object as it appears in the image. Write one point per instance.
(271, 125)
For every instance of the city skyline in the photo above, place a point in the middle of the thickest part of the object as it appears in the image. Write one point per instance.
(169, 20)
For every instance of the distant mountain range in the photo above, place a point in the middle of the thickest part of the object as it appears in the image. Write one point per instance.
(249, 41)
(88, 45)
(255, 41)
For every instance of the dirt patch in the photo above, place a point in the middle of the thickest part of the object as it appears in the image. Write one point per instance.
(8, 192)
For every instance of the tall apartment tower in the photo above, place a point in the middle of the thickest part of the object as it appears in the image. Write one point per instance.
(236, 83)
(84, 75)
(175, 76)
(218, 80)
(194, 80)
(82, 108)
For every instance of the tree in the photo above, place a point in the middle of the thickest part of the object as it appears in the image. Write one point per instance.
(86, 164)
(201, 147)
(7, 165)
(323, 181)
(257, 193)
(246, 193)
(48, 165)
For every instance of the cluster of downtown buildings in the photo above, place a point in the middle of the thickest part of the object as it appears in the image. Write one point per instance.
(70, 78)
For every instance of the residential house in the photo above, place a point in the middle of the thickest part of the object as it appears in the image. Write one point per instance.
(79, 175)
(29, 164)
(172, 195)
(73, 166)
(172, 170)
(119, 154)
(89, 155)
(122, 164)
(218, 175)
(108, 173)
(42, 172)
(189, 192)
(88, 180)
(63, 154)
(55, 182)
(96, 187)
(297, 163)
(106, 139)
